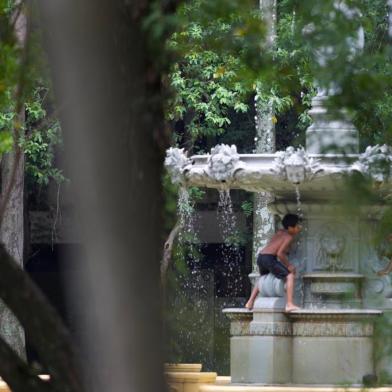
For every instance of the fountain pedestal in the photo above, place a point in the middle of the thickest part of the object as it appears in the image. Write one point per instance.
(260, 346)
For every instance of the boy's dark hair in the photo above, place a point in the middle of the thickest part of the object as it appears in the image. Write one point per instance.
(290, 220)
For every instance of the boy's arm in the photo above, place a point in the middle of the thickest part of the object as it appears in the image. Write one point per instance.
(386, 270)
(282, 252)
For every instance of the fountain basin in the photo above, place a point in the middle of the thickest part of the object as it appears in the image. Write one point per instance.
(182, 367)
(334, 290)
(258, 173)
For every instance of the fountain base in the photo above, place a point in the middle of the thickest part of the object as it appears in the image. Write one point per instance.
(286, 388)
(332, 346)
(309, 346)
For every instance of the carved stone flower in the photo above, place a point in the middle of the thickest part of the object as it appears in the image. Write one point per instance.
(223, 162)
(176, 163)
(295, 165)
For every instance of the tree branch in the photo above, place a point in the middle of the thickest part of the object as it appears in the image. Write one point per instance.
(45, 329)
(18, 373)
(167, 251)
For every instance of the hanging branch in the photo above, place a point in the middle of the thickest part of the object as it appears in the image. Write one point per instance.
(168, 251)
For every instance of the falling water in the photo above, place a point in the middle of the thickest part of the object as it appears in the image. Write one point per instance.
(229, 251)
(300, 214)
(226, 218)
(189, 306)
(298, 198)
(186, 212)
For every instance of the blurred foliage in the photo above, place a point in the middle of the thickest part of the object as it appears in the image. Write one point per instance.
(327, 31)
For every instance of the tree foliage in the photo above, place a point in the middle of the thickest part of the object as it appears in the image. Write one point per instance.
(217, 45)
(221, 62)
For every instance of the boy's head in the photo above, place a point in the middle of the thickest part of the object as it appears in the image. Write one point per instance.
(291, 223)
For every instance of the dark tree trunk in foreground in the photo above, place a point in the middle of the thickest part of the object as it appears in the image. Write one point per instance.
(12, 192)
(11, 235)
(109, 84)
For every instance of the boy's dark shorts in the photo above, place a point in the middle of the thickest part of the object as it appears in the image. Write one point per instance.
(270, 263)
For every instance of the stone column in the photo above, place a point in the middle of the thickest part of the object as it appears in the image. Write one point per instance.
(260, 347)
(263, 219)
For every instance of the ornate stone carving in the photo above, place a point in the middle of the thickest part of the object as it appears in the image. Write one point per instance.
(348, 329)
(223, 162)
(331, 245)
(295, 165)
(332, 288)
(276, 328)
(177, 163)
(375, 162)
(375, 286)
(239, 328)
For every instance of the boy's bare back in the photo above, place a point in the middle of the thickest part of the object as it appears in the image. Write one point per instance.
(280, 242)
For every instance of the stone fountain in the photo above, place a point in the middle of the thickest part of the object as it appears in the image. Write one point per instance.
(330, 340)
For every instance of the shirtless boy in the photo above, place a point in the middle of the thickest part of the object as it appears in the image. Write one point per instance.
(267, 260)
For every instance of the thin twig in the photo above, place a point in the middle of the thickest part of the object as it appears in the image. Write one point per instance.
(54, 233)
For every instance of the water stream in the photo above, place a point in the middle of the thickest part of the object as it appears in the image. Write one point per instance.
(226, 218)
(299, 253)
(186, 212)
(188, 235)
(230, 251)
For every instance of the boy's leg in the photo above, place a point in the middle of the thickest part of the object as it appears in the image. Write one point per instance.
(253, 296)
(290, 292)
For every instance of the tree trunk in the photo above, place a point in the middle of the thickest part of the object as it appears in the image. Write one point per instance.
(11, 235)
(46, 332)
(12, 201)
(107, 76)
